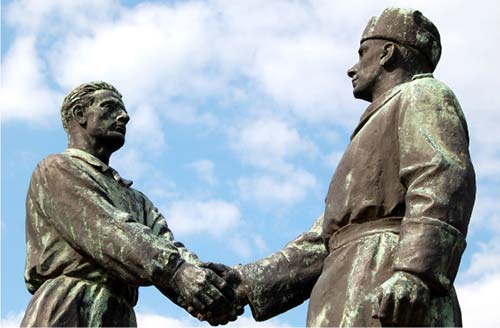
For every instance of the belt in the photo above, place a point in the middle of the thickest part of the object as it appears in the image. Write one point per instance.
(117, 286)
(354, 231)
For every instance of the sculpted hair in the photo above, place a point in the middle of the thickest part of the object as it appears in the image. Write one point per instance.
(413, 60)
(82, 96)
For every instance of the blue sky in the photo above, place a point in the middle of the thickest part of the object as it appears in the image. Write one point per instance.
(239, 112)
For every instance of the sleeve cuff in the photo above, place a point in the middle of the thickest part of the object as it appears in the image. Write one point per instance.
(430, 249)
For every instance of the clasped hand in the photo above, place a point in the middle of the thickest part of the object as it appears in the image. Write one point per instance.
(209, 292)
(402, 300)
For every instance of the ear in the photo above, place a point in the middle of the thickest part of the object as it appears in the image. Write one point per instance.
(388, 54)
(79, 115)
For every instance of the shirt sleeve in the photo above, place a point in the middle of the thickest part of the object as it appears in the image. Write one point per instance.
(285, 279)
(435, 168)
(79, 209)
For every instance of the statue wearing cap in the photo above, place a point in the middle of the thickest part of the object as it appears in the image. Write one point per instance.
(387, 249)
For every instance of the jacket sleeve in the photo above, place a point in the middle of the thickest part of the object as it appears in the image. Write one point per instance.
(435, 168)
(285, 279)
(78, 207)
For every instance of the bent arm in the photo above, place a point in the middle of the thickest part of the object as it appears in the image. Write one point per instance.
(435, 168)
(78, 207)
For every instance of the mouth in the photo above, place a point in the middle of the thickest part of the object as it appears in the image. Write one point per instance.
(120, 128)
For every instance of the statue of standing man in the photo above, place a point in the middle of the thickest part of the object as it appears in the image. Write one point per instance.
(388, 247)
(92, 239)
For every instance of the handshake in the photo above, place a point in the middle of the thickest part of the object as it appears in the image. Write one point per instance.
(210, 292)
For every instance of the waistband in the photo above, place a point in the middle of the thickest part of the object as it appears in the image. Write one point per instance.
(355, 231)
(117, 286)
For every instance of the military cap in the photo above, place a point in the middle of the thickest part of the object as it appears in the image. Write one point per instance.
(407, 27)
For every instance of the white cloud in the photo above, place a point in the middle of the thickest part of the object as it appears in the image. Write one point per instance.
(33, 16)
(260, 243)
(130, 164)
(479, 301)
(287, 189)
(146, 319)
(241, 246)
(192, 50)
(486, 213)
(480, 284)
(213, 217)
(25, 94)
(268, 143)
(12, 320)
(333, 159)
(204, 168)
(145, 130)
(187, 115)
(486, 262)
(151, 51)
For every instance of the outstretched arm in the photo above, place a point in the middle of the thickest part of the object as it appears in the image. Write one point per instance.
(285, 279)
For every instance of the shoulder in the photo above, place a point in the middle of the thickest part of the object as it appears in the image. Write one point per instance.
(426, 95)
(54, 165)
(54, 161)
(429, 89)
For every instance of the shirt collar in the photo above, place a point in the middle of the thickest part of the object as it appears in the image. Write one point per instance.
(97, 163)
(421, 76)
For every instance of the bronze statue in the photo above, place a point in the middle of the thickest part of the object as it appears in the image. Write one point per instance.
(92, 239)
(387, 249)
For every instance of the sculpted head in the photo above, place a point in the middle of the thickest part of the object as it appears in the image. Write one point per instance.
(394, 46)
(93, 114)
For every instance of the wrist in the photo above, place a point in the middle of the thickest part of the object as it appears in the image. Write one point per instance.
(242, 289)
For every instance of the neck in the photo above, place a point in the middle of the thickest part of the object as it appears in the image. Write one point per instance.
(391, 79)
(90, 146)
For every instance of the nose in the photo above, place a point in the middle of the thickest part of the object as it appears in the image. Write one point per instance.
(123, 117)
(352, 71)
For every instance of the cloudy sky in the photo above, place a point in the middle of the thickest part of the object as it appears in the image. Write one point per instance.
(239, 111)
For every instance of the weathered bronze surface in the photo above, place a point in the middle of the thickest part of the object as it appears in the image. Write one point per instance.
(385, 252)
(92, 239)
(387, 249)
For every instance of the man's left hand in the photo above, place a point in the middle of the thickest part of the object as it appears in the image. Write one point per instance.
(401, 300)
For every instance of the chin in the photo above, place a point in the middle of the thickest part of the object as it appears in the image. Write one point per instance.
(362, 95)
(116, 143)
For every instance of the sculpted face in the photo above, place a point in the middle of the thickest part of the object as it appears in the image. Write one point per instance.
(366, 73)
(107, 119)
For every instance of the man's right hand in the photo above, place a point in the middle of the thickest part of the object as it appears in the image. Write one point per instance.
(238, 296)
(200, 289)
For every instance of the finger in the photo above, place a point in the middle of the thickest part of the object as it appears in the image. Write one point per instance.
(401, 307)
(197, 305)
(206, 299)
(223, 319)
(181, 301)
(239, 310)
(417, 318)
(222, 286)
(376, 304)
(191, 310)
(214, 293)
(201, 317)
(386, 307)
(218, 268)
(417, 313)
